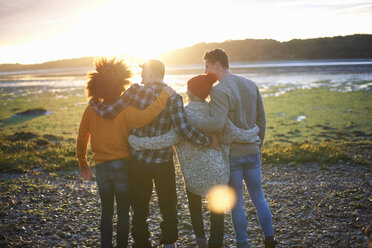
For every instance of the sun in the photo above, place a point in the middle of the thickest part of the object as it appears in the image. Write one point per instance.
(221, 198)
(142, 29)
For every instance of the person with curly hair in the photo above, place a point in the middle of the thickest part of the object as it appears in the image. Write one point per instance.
(108, 139)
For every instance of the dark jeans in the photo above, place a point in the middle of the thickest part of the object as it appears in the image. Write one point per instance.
(112, 181)
(217, 225)
(141, 183)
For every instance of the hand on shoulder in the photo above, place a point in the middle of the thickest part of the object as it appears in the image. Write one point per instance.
(169, 90)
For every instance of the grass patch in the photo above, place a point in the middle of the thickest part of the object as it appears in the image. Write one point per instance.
(331, 116)
(335, 121)
(326, 153)
(66, 109)
(37, 153)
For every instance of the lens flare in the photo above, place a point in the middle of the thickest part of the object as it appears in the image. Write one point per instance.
(221, 198)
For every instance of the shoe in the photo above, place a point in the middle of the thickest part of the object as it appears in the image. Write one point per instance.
(270, 242)
(146, 245)
(242, 244)
(169, 246)
(201, 242)
(211, 245)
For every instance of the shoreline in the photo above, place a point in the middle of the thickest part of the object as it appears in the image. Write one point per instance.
(173, 68)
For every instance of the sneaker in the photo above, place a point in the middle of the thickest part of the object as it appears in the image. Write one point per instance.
(201, 242)
(212, 245)
(145, 245)
(242, 244)
(270, 242)
(169, 246)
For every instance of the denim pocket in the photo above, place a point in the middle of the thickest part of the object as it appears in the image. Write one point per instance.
(248, 161)
(253, 161)
(115, 170)
(120, 171)
(236, 162)
(101, 172)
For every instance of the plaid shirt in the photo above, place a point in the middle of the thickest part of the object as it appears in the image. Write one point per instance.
(172, 115)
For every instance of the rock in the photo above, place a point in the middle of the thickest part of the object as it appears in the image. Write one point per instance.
(22, 136)
(41, 142)
(60, 234)
(67, 228)
(292, 164)
(83, 228)
(37, 111)
(68, 235)
(52, 138)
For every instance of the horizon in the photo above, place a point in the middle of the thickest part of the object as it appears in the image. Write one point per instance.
(138, 60)
(44, 30)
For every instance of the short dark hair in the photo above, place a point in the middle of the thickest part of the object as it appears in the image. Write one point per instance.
(108, 82)
(217, 55)
(156, 66)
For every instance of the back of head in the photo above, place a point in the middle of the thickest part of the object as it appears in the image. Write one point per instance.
(157, 67)
(201, 85)
(217, 55)
(108, 82)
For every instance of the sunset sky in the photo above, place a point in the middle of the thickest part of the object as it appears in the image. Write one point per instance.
(34, 31)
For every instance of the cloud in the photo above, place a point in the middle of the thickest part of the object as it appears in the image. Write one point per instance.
(44, 9)
(326, 5)
(126, 25)
(17, 7)
(359, 9)
(28, 21)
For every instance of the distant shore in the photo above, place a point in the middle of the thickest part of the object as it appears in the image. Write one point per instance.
(63, 70)
(358, 46)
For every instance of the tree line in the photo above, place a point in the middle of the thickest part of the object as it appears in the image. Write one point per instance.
(340, 47)
(356, 46)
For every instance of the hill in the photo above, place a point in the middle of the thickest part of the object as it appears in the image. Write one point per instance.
(340, 47)
(64, 63)
(356, 46)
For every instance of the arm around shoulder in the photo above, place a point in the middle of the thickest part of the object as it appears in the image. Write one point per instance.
(154, 143)
(218, 112)
(182, 126)
(139, 118)
(261, 117)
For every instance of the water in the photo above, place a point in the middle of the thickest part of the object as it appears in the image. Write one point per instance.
(273, 78)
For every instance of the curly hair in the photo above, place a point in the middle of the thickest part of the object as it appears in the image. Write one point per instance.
(108, 82)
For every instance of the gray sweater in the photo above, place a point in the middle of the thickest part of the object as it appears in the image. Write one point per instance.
(239, 99)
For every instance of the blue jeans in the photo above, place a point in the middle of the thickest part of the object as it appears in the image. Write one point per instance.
(248, 168)
(112, 181)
